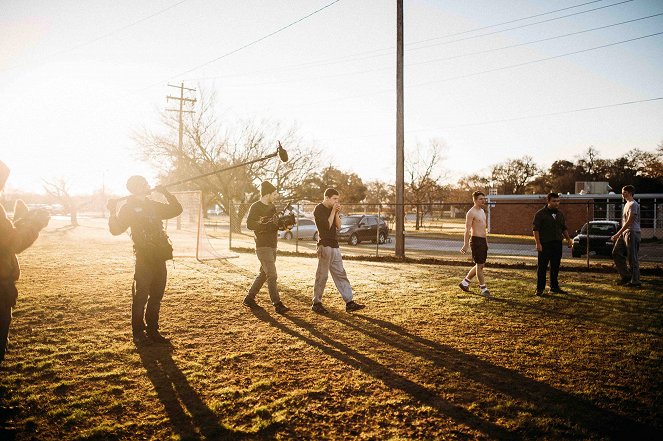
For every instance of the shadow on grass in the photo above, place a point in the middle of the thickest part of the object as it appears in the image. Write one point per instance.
(383, 373)
(8, 431)
(641, 311)
(190, 417)
(583, 417)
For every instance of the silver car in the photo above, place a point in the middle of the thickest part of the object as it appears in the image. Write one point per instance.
(305, 229)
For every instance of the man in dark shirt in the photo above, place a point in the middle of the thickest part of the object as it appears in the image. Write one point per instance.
(152, 248)
(549, 226)
(262, 220)
(328, 221)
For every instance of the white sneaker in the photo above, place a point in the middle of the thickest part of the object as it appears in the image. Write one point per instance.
(486, 293)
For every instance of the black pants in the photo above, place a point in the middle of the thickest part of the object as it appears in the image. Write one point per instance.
(8, 294)
(551, 253)
(149, 286)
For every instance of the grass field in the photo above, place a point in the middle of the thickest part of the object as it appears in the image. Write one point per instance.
(422, 361)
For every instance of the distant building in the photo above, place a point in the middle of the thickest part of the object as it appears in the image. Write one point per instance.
(513, 214)
(592, 187)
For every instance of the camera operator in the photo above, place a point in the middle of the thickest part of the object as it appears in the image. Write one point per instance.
(152, 248)
(15, 237)
(264, 223)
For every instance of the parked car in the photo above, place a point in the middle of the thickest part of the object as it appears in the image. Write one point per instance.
(305, 229)
(600, 233)
(356, 228)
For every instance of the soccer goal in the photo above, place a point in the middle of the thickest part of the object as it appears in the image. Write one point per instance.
(195, 235)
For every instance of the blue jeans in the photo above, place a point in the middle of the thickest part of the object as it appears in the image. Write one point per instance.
(267, 273)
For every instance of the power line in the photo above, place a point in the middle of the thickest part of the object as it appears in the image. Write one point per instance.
(541, 115)
(379, 92)
(512, 66)
(358, 56)
(317, 78)
(258, 40)
(515, 27)
(527, 18)
(106, 35)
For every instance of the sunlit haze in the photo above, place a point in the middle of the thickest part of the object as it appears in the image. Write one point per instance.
(77, 78)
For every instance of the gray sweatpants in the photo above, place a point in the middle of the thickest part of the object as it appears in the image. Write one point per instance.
(330, 261)
(626, 251)
(267, 273)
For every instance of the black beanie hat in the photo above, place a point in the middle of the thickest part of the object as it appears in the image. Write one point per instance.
(266, 188)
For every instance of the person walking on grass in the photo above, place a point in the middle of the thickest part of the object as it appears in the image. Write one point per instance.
(263, 222)
(328, 221)
(549, 226)
(152, 249)
(627, 241)
(475, 239)
(15, 237)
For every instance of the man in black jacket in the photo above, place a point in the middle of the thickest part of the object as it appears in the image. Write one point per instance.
(549, 226)
(15, 237)
(152, 248)
(262, 220)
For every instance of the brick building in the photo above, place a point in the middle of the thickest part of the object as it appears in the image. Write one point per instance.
(513, 214)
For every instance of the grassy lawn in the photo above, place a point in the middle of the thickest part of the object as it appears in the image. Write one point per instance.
(424, 360)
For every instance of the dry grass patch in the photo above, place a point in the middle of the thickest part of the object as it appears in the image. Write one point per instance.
(423, 361)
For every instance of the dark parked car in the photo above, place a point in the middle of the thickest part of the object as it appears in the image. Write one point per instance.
(600, 233)
(356, 228)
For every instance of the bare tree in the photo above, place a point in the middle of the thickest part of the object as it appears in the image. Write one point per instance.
(423, 173)
(513, 175)
(58, 190)
(209, 145)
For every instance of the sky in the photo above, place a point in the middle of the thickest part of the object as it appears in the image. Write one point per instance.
(77, 79)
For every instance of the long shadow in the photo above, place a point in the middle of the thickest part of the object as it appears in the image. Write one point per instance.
(549, 401)
(178, 398)
(377, 370)
(597, 315)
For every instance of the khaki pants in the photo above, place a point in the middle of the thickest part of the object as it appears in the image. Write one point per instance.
(330, 261)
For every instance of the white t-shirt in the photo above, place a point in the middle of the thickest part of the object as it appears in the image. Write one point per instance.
(634, 209)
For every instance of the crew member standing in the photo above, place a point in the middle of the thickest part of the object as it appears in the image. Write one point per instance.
(14, 238)
(152, 249)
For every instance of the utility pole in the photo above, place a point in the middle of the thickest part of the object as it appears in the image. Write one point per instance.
(400, 142)
(181, 110)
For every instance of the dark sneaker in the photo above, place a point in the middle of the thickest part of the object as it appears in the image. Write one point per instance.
(140, 338)
(634, 285)
(486, 293)
(353, 306)
(623, 281)
(464, 287)
(280, 308)
(557, 291)
(251, 303)
(157, 338)
(317, 307)
(538, 293)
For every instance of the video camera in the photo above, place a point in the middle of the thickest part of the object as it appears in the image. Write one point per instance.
(286, 219)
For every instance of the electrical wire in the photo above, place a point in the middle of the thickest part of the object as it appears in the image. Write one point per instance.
(234, 51)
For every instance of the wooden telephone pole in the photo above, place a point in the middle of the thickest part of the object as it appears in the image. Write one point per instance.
(181, 110)
(400, 133)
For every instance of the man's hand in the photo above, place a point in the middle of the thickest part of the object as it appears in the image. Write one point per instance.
(112, 205)
(464, 249)
(539, 247)
(39, 218)
(569, 243)
(614, 238)
(161, 189)
(337, 207)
